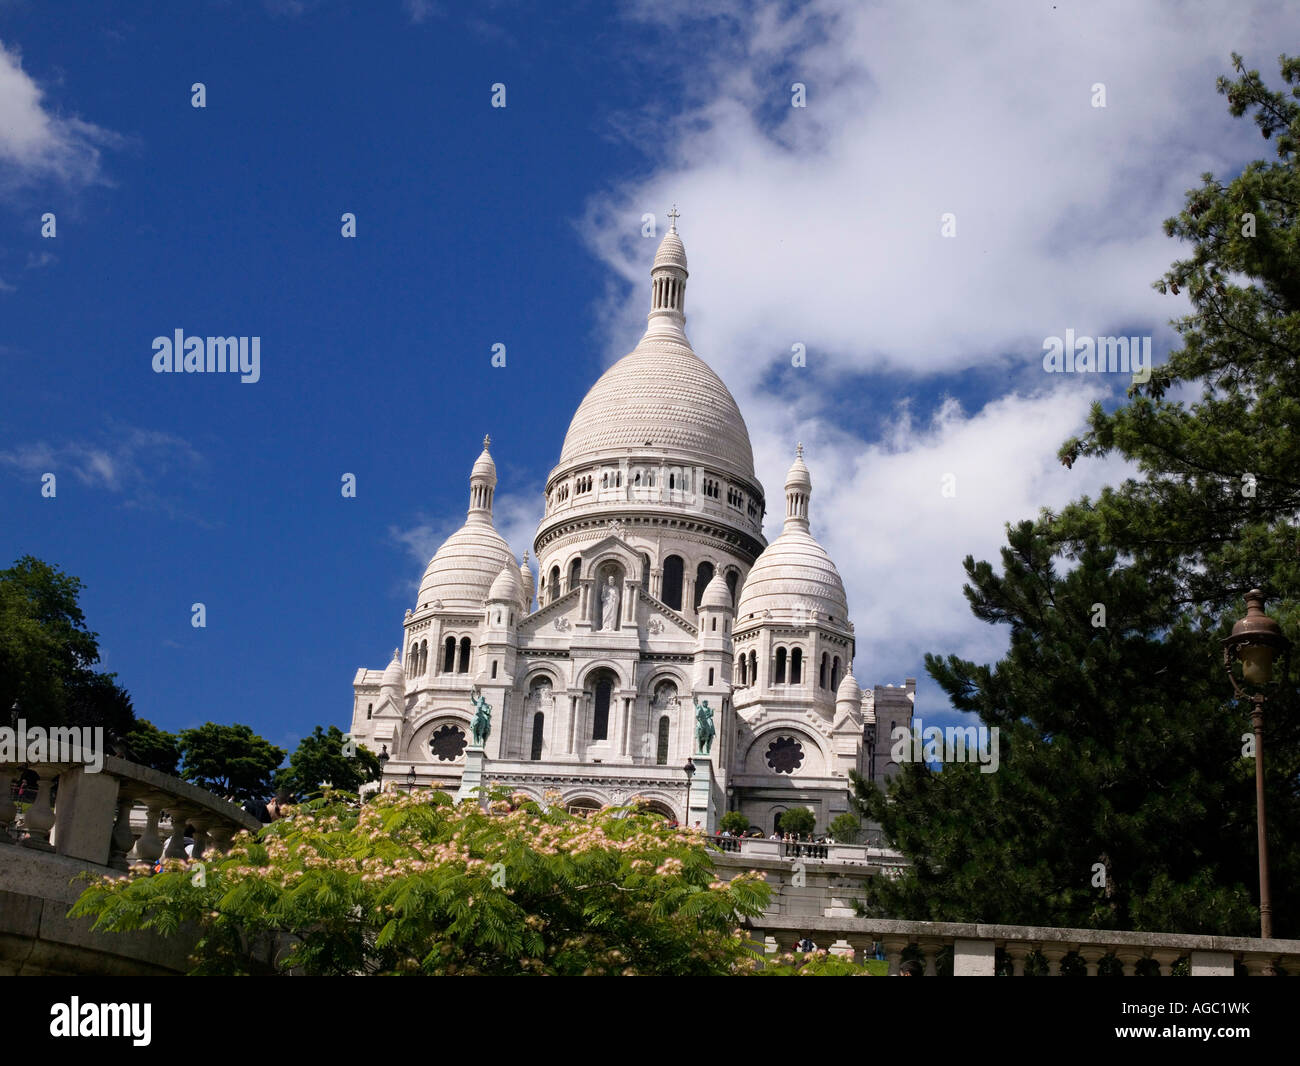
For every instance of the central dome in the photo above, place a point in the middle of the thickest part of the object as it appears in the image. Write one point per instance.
(664, 395)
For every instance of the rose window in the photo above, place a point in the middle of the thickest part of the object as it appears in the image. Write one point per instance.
(447, 743)
(785, 755)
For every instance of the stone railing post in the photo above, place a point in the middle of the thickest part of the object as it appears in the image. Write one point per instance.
(39, 819)
(930, 948)
(894, 946)
(1129, 959)
(1091, 957)
(219, 837)
(1019, 953)
(8, 809)
(123, 838)
(149, 845)
(200, 839)
(86, 815)
(1055, 955)
(175, 848)
(973, 958)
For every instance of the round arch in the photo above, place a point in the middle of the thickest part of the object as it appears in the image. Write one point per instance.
(619, 670)
(806, 757)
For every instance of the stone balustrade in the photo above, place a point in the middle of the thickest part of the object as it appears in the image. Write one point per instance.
(96, 823)
(969, 950)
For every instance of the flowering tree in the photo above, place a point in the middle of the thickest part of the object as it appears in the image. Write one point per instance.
(414, 884)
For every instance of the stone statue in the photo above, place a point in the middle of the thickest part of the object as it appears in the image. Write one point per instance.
(704, 731)
(481, 726)
(609, 600)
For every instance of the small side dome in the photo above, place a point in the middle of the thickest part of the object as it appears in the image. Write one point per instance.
(798, 477)
(672, 252)
(526, 584)
(484, 468)
(506, 587)
(849, 691)
(394, 682)
(716, 594)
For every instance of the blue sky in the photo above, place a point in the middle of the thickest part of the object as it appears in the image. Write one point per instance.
(522, 225)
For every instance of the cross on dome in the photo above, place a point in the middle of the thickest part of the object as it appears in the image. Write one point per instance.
(673, 214)
(486, 441)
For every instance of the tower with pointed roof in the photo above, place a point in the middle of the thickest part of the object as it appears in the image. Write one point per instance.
(656, 589)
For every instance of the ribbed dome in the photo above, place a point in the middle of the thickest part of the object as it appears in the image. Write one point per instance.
(671, 251)
(394, 681)
(716, 594)
(793, 576)
(506, 585)
(849, 691)
(462, 571)
(527, 585)
(662, 392)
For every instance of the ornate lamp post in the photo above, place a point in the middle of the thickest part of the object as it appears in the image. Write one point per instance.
(410, 779)
(383, 757)
(1256, 640)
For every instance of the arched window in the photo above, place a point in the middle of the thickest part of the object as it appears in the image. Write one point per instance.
(796, 666)
(661, 752)
(703, 575)
(753, 668)
(733, 579)
(821, 673)
(370, 711)
(672, 586)
(714, 627)
(412, 660)
(449, 655)
(672, 481)
(575, 568)
(645, 572)
(835, 674)
(539, 726)
(740, 669)
(494, 669)
(462, 667)
(600, 709)
(710, 675)
(779, 677)
(555, 582)
(424, 657)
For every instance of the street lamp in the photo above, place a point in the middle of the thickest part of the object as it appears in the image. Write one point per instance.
(690, 773)
(410, 779)
(1256, 640)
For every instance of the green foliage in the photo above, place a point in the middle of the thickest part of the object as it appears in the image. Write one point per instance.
(319, 760)
(1121, 745)
(46, 653)
(416, 885)
(798, 820)
(150, 746)
(844, 828)
(734, 822)
(820, 963)
(230, 760)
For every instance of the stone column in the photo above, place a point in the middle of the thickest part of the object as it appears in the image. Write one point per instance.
(1128, 958)
(1091, 957)
(219, 836)
(656, 582)
(1055, 955)
(175, 848)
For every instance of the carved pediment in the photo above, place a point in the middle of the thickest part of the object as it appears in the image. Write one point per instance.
(657, 620)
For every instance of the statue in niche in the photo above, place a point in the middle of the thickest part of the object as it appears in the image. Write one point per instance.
(609, 602)
(704, 731)
(481, 726)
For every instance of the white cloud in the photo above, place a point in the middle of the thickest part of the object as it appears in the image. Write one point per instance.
(36, 143)
(821, 225)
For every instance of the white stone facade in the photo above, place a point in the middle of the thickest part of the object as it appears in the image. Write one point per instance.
(655, 589)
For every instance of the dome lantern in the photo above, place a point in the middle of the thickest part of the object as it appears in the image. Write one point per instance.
(482, 484)
(798, 488)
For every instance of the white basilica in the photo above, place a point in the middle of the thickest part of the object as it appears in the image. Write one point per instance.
(659, 615)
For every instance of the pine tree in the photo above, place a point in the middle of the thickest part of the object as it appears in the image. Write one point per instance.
(1123, 799)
